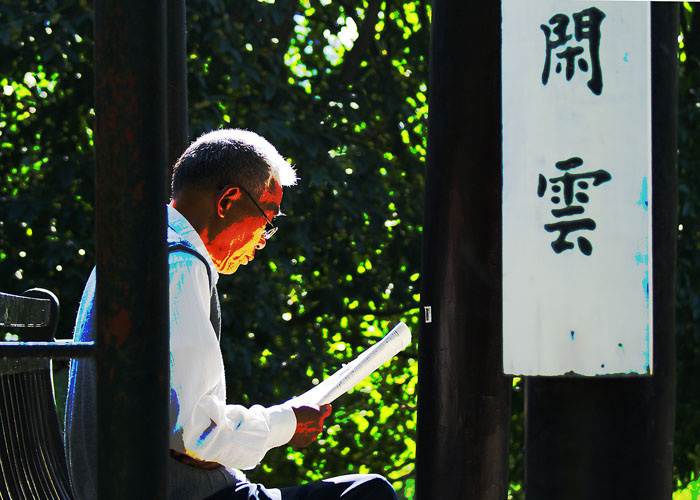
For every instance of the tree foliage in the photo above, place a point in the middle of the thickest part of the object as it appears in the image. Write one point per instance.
(687, 445)
(46, 157)
(340, 88)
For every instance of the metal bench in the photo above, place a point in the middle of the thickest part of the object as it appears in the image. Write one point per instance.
(32, 456)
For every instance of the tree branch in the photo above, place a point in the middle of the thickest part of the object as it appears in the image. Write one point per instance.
(692, 40)
(316, 311)
(353, 58)
(283, 31)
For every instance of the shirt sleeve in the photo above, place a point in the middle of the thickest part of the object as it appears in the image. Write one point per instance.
(202, 424)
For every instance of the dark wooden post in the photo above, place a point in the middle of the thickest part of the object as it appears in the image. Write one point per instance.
(132, 274)
(611, 438)
(464, 398)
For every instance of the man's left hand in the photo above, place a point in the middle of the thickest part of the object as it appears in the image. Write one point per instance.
(309, 424)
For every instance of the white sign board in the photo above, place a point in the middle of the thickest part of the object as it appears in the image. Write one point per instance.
(576, 187)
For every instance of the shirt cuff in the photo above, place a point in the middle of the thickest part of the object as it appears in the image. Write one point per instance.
(283, 425)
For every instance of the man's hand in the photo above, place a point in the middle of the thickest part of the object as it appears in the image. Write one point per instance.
(309, 424)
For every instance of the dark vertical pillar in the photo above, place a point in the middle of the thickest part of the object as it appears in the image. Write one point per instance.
(464, 398)
(611, 438)
(178, 136)
(662, 388)
(132, 275)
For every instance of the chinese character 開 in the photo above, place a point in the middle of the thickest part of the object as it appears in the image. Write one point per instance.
(568, 190)
(586, 27)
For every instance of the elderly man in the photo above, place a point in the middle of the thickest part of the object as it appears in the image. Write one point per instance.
(227, 189)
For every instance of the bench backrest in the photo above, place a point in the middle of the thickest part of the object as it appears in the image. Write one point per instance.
(32, 457)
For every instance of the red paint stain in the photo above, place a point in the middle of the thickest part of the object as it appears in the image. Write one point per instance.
(121, 326)
(138, 191)
(129, 134)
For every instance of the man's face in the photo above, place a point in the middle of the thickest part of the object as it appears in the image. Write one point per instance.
(241, 235)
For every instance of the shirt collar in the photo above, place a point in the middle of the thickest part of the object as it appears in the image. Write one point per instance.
(182, 226)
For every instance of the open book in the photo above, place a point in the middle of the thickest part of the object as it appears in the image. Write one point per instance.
(352, 373)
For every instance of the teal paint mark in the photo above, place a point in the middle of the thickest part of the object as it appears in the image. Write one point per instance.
(644, 259)
(572, 335)
(627, 57)
(645, 286)
(641, 258)
(645, 353)
(644, 196)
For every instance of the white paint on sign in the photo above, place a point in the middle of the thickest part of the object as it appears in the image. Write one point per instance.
(576, 187)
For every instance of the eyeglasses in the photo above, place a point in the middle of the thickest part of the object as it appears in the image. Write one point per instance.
(269, 232)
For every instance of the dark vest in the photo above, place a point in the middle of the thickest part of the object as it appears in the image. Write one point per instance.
(177, 244)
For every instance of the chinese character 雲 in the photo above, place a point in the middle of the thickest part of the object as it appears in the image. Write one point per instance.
(569, 196)
(586, 27)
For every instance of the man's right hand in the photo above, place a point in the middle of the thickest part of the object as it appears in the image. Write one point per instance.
(309, 424)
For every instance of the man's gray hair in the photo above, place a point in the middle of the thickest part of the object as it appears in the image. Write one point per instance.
(226, 156)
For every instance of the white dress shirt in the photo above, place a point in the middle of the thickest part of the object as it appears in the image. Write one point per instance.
(207, 427)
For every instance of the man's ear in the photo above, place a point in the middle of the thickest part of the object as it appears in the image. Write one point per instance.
(225, 200)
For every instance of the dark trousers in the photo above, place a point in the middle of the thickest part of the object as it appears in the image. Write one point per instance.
(350, 487)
